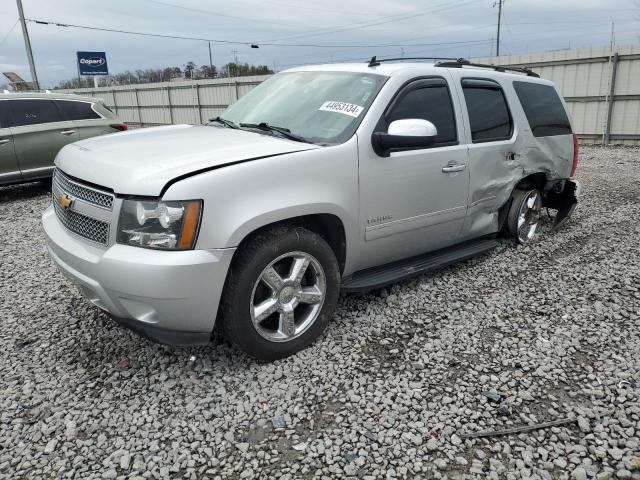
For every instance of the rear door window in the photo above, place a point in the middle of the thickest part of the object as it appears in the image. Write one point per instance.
(72, 110)
(489, 115)
(33, 112)
(427, 99)
(543, 108)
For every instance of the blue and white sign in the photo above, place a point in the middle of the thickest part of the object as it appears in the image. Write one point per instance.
(92, 63)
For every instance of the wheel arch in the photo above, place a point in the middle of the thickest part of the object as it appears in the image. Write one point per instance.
(328, 226)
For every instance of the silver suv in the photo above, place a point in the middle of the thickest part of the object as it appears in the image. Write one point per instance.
(323, 178)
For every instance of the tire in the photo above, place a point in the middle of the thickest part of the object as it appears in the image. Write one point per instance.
(524, 214)
(273, 316)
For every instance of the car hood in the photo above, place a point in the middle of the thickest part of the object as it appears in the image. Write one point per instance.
(143, 161)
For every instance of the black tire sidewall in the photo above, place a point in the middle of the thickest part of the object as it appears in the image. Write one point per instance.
(261, 250)
(518, 199)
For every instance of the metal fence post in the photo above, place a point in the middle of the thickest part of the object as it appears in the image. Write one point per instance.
(115, 102)
(611, 99)
(199, 103)
(135, 92)
(170, 106)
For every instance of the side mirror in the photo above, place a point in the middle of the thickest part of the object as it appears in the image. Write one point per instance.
(407, 133)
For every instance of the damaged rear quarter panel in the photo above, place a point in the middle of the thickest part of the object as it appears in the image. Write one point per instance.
(497, 167)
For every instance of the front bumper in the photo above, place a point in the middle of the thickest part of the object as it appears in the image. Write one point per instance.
(170, 297)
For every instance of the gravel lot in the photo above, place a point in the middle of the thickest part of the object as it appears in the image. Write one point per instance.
(550, 330)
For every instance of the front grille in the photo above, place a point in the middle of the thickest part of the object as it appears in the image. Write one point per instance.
(90, 195)
(87, 227)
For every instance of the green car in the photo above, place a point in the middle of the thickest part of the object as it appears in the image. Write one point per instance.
(35, 126)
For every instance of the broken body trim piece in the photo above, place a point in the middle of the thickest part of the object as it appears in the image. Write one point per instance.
(563, 200)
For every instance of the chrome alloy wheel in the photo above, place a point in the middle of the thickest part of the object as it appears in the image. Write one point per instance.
(529, 216)
(288, 296)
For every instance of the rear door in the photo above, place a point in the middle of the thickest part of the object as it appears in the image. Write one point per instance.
(85, 118)
(492, 151)
(9, 170)
(39, 132)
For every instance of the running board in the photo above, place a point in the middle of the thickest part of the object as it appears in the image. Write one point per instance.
(376, 277)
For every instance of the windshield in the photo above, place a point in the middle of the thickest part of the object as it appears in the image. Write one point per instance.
(321, 107)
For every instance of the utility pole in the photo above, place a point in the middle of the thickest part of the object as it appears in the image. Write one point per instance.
(27, 45)
(499, 3)
(210, 61)
(235, 59)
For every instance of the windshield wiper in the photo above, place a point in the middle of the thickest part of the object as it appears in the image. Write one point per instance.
(225, 122)
(285, 132)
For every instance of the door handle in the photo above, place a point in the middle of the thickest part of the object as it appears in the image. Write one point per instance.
(454, 167)
(67, 132)
(4, 140)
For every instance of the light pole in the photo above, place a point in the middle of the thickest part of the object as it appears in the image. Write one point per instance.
(27, 45)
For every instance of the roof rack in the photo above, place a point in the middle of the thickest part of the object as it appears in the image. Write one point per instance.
(374, 62)
(462, 62)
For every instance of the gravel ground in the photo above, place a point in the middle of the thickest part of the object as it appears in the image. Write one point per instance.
(548, 331)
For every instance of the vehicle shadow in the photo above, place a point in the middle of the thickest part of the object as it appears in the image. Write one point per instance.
(24, 191)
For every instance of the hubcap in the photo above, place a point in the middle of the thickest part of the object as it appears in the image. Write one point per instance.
(287, 296)
(529, 216)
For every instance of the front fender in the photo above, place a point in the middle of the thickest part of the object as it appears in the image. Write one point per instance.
(241, 198)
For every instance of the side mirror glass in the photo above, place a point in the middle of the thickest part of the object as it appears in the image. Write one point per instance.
(406, 133)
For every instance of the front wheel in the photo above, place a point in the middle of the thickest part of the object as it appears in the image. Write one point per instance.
(524, 214)
(280, 293)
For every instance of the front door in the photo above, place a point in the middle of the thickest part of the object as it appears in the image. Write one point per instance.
(414, 201)
(39, 132)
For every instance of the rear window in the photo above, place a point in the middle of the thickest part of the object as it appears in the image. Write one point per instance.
(33, 112)
(72, 110)
(543, 108)
(489, 116)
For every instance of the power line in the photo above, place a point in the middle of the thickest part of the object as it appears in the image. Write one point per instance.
(224, 15)
(409, 52)
(9, 32)
(393, 18)
(232, 42)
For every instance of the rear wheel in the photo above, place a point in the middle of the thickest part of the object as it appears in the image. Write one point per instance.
(524, 214)
(280, 293)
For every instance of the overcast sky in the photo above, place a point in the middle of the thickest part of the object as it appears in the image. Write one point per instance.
(336, 28)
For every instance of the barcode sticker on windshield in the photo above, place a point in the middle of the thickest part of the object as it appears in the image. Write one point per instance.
(341, 107)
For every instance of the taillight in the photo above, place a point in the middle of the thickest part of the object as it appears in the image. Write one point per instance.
(120, 126)
(576, 150)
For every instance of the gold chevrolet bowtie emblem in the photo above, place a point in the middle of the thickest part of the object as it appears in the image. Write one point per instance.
(64, 201)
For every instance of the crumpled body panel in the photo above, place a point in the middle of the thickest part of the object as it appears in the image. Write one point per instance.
(497, 167)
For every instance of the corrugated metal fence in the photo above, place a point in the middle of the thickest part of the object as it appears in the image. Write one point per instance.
(600, 86)
(194, 101)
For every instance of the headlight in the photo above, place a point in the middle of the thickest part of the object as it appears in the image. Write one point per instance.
(162, 225)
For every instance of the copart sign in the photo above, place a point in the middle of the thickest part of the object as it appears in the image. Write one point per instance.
(92, 63)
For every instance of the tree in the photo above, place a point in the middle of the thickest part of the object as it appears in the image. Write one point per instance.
(190, 70)
(152, 75)
(207, 71)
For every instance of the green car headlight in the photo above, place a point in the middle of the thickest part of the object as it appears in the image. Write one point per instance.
(161, 225)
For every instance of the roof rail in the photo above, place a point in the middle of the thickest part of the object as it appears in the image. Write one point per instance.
(374, 62)
(462, 62)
